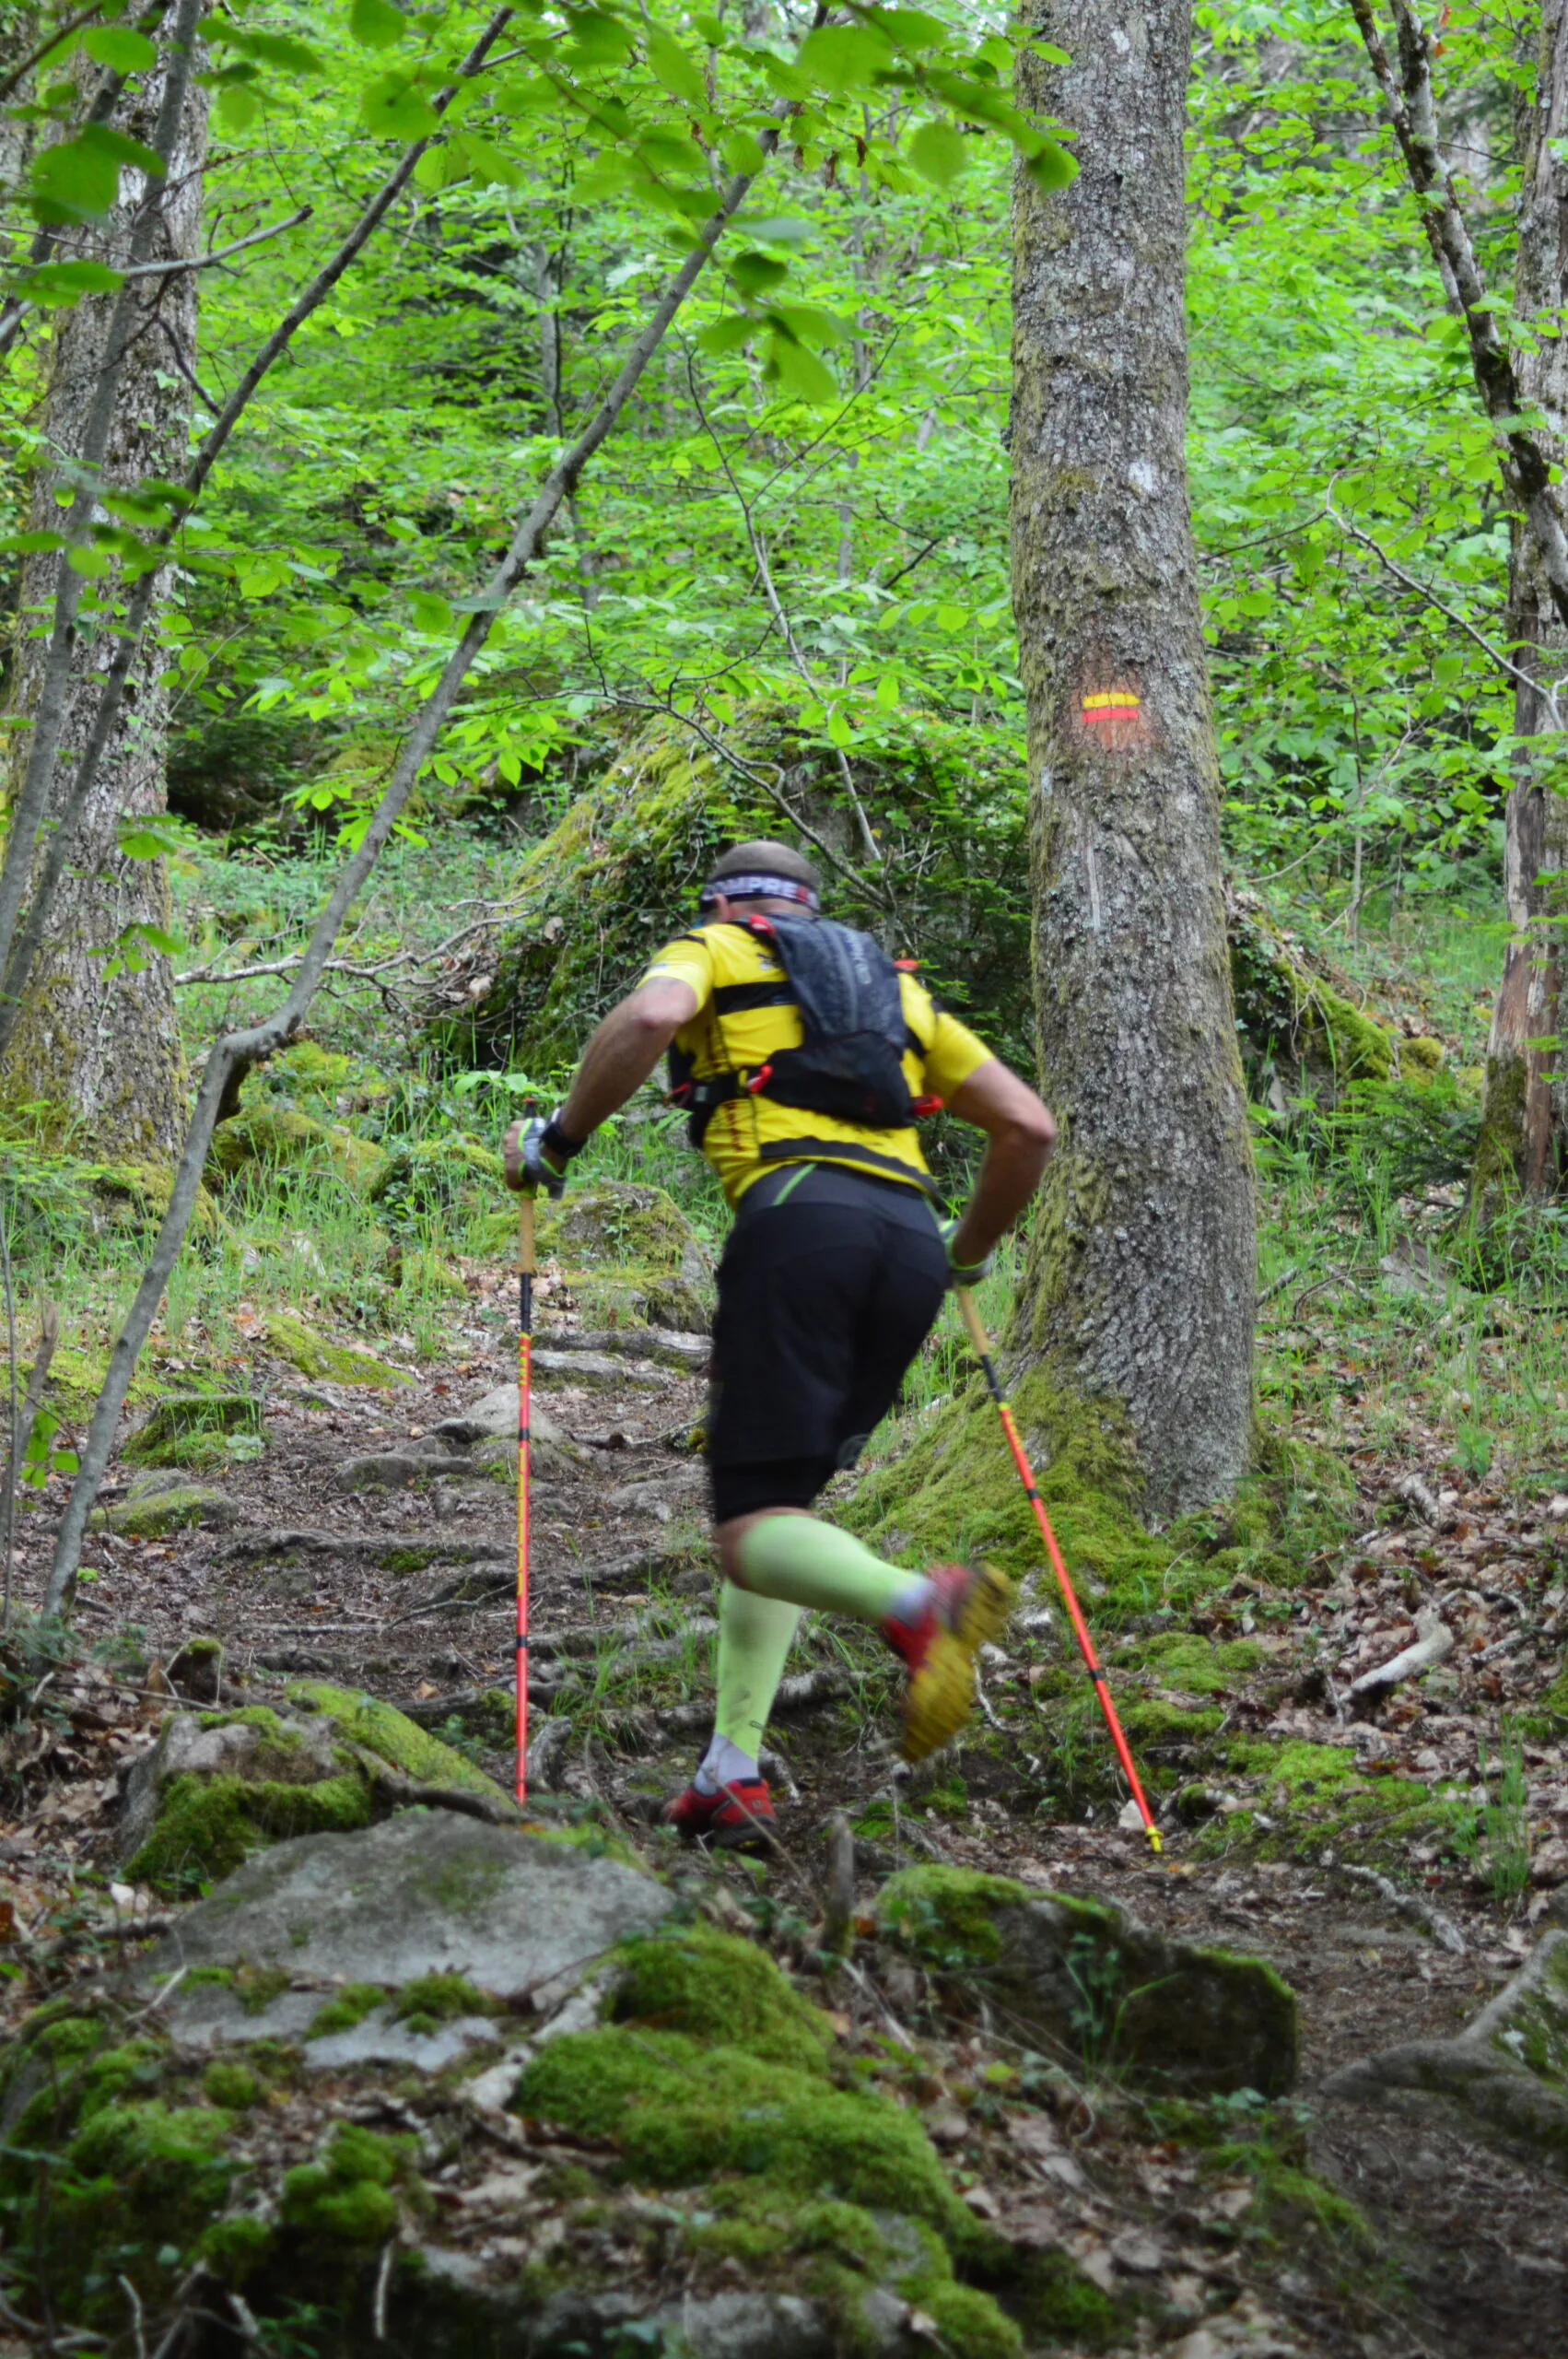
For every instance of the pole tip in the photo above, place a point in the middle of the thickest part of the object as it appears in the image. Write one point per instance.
(1155, 1844)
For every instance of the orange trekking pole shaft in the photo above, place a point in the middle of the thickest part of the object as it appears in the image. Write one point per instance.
(524, 1388)
(981, 1342)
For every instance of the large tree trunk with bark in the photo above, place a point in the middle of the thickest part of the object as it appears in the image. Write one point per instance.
(1140, 1291)
(1522, 1147)
(98, 1042)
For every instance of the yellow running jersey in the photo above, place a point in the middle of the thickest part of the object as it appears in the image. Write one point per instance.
(748, 1134)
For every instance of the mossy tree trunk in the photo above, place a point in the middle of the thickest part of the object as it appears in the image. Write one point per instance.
(1522, 1140)
(98, 1039)
(1140, 1284)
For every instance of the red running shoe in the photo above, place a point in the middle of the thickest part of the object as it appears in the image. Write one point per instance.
(737, 1818)
(970, 1604)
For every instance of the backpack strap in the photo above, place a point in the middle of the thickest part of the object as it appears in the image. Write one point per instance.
(847, 1151)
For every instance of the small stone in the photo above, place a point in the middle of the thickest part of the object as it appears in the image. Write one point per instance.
(598, 1372)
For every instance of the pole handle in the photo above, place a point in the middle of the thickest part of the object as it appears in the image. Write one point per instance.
(977, 1335)
(525, 1252)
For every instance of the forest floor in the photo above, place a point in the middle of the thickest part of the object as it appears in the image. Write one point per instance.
(1232, 2238)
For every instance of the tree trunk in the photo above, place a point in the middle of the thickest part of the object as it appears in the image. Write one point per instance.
(1522, 1140)
(1141, 1283)
(98, 1043)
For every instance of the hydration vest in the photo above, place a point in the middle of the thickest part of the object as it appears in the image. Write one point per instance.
(850, 1063)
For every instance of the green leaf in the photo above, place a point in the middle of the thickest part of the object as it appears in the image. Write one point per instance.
(809, 324)
(800, 372)
(78, 180)
(376, 24)
(674, 69)
(838, 729)
(939, 153)
(600, 40)
(33, 544)
(122, 51)
(779, 230)
(238, 106)
(490, 165)
(393, 109)
(65, 282)
(91, 564)
(728, 335)
(1051, 166)
(743, 153)
(913, 29)
(753, 274)
(844, 57)
(431, 612)
(269, 49)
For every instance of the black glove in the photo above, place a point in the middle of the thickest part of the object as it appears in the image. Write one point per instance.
(536, 1171)
(957, 1274)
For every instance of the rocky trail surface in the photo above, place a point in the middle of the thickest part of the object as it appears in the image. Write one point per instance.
(1383, 2191)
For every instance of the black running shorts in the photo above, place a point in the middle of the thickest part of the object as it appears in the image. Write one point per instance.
(829, 1284)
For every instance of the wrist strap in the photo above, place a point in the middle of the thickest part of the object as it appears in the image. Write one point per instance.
(557, 1141)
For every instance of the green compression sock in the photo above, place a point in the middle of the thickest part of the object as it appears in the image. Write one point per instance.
(808, 1563)
(754, 1634)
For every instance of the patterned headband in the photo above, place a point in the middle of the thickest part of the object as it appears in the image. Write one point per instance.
(758, 887)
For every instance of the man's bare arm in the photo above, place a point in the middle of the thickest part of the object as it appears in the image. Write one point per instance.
(1020, 1134)
(618, 1059)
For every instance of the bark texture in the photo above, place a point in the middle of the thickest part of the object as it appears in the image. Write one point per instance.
(1522, 1141)
(103, 1048)
(1140, 1285)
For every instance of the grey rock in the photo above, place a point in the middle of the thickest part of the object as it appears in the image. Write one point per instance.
(1505, 2075)
(457, 2314)
(380, 2040)
(392, 1468)
(496, 1413)
(688, 1354)
(598, 1371)
(427, 1892)
(196, 1670)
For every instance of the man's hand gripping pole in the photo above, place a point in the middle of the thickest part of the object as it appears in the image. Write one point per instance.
(981, 1342)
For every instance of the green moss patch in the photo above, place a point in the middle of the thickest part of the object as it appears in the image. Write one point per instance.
(206, 1826)
(393, 1738)
(697, 1981)
(332, 1362)
(348, 2197)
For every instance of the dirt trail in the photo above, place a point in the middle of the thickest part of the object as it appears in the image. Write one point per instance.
(1473, 2249)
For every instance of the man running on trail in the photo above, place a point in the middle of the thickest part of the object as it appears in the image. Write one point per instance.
(801, 1055)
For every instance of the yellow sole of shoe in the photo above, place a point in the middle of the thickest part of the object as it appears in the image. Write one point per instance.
(941, 1693)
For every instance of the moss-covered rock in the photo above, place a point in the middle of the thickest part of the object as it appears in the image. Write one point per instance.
(1084, 1978)
(268, 1139)
(393, 1738)
(156, 1504)
(350, 2196)
(329, 1363)
(218, 1789)
(190, 1428)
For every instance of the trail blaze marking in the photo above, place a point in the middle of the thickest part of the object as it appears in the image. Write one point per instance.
(1110, 705)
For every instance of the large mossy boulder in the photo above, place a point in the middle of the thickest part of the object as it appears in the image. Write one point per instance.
(305, 2102)
(195, 1428)
(619, 873)
(1082, 1980)
(262, 1141)
(314, 1356)
(156, 1504)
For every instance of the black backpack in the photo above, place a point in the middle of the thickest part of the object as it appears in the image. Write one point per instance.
(850, 1063)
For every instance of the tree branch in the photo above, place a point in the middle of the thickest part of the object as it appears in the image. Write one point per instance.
(234, 1055)
(1525, 468)
(168, 269)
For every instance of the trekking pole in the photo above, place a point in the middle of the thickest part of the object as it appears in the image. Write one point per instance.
(524, 1386)
(981, 1342)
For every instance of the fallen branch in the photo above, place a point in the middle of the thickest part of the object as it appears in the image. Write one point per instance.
(1434, 1643)
(399, 1789)
(1444, 1931)
(1416, 1494)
